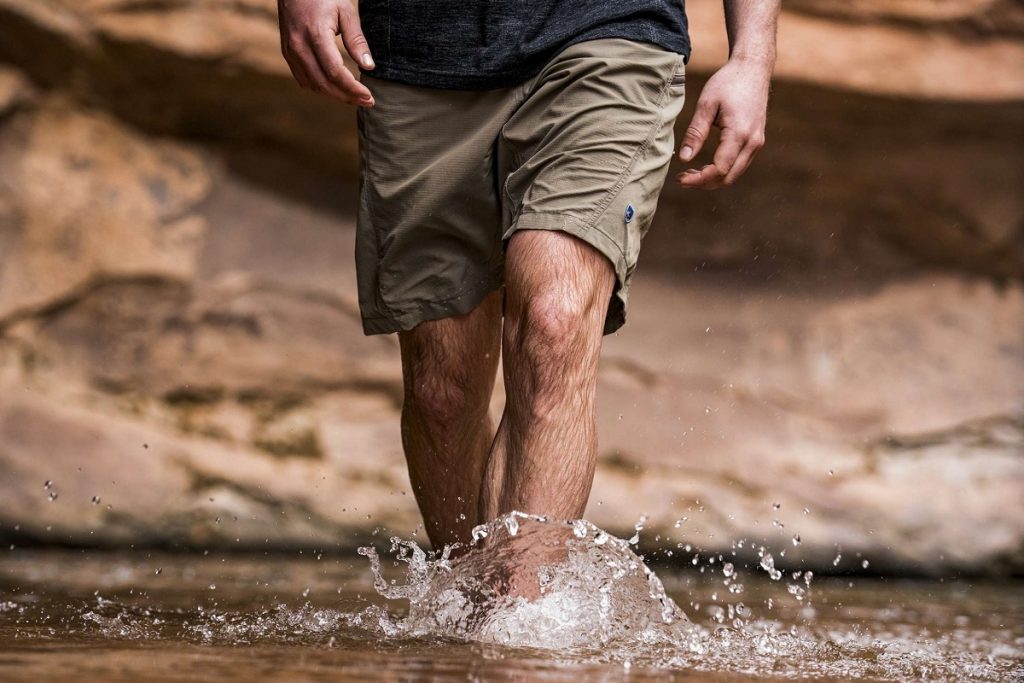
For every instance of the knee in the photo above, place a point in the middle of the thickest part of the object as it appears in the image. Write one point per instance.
(445, 397)
(557, 327)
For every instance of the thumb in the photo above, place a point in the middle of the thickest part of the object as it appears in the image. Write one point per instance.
(698, 130)
(353, 39)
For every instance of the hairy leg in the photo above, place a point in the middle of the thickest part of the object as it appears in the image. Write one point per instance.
(448, 368)
(542, 461)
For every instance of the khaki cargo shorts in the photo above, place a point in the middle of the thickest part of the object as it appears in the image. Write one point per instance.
(448, 176)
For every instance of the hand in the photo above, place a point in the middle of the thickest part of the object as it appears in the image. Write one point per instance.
(736, 100)
(308, 31)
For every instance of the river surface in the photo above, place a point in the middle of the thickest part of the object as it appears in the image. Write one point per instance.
(142, 615)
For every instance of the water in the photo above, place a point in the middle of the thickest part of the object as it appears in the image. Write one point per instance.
(578, 603)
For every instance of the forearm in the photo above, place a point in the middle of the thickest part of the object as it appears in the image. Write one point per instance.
(751, 26)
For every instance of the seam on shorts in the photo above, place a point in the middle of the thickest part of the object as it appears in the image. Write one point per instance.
(522, 94)
(640, 152)
(591, 221)
(599, 211)
(367, 179)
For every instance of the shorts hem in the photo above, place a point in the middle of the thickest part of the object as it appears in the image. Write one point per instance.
(403, 317)
(588, 232)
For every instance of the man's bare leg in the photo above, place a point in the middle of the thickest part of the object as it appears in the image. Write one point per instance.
(448, 368)
(542, 461)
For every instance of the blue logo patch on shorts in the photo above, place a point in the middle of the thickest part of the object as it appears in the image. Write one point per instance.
(630, 212)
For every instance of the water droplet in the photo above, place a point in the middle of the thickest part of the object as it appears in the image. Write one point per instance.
(305, 593)
(579, 528)
(796, 540)
(47, 484)
(864, 564)
(95, 500)
(831, 473)
(728, 570)
(835, 562)
(213, 586)
(479, 532)
(512, 524)
(52, 496)
(768, 564)
(776, 506)
(158, 570)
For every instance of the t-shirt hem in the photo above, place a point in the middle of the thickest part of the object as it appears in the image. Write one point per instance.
(679, 44)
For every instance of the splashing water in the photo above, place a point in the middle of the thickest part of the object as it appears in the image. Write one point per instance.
(530, 582)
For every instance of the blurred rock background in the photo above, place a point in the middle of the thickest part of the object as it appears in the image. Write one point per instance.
(833, 350)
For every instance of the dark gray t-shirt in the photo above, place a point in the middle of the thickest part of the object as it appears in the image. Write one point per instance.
(484, 44)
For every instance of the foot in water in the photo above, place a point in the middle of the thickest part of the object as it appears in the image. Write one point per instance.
(516, 561)
(528, 581)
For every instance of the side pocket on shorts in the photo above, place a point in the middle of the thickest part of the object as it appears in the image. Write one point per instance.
(677, 84)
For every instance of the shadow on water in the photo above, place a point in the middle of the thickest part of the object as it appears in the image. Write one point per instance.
(529, 599)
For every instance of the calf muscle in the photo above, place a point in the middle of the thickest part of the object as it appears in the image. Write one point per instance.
(448, 368)
(543, 457)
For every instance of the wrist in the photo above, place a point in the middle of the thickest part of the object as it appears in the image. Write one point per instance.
(760, 59)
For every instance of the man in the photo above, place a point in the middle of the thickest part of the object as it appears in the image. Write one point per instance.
(512, 153)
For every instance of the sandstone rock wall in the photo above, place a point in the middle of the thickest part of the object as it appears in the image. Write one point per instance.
(832, 350)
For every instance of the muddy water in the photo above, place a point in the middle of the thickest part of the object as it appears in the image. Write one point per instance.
(91, 615)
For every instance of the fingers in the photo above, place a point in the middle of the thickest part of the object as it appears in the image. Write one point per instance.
(732, 158)
(315, 61)
(336, 79)
(744, 160)
(714, 174)
(354, 40)
(705, 178)
(699, 129)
